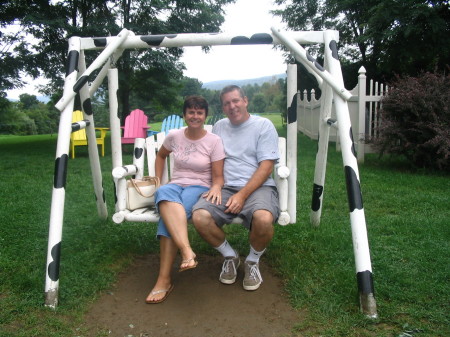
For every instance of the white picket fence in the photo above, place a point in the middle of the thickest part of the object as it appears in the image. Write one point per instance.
(364, 107)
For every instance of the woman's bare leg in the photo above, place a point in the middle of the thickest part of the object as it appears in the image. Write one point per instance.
(168, 252)
(174, 217)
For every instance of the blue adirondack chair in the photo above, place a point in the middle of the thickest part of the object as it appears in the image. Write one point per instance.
(171, 122)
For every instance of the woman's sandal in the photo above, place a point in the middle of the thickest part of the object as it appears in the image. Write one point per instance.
(156, 292)
(188, 266)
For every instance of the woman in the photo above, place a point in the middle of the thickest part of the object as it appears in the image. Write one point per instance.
(198, 170)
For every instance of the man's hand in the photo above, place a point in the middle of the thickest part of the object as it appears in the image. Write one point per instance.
(235, 203)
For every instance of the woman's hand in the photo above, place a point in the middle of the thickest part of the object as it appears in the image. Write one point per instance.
(214, 194)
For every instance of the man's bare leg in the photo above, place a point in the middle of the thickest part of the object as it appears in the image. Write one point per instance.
(262, 230)
(207, 228)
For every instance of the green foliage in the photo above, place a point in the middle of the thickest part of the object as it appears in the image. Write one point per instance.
(386, 37)
(16, 122)
(149, 75)
(28, 117)
(258, 103)
(416, 121)
(269, 97)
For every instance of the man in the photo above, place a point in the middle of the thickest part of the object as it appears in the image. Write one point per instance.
(251, 147)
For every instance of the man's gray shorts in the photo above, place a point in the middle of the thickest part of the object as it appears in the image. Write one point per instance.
(264, 198)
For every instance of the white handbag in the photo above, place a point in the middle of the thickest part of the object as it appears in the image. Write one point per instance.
(141, 192)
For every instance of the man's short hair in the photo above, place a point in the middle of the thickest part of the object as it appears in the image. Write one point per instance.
(230, 88)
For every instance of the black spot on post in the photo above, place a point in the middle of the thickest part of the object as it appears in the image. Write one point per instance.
(365, 282)
(53, 267)
(292, 110)
(317, 193)
(60, 171)
(353, 189)
(76, 127)
(72, 62)
(353, 149)
(260, 38)
(156, 40)
(87, 106)
(138, 152)
(313, 60)
(334, 49)
(81, 81)
(100, 41)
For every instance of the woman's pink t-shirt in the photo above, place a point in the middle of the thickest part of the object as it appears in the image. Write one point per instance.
(193, 158)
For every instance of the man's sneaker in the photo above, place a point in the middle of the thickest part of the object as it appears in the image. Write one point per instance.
(252, 278)
(229, 269)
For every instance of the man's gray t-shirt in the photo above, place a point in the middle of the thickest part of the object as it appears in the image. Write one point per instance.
(246, 145)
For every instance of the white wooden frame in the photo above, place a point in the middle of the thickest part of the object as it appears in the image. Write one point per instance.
(328, 76)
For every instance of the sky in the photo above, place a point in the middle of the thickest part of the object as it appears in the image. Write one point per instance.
(226, 62)
(239, 62)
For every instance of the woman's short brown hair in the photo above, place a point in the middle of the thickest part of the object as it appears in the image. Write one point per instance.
(197, 102)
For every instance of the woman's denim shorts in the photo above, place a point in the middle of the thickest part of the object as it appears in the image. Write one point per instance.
(186, 196)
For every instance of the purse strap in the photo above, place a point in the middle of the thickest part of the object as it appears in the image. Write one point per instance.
(155, 181)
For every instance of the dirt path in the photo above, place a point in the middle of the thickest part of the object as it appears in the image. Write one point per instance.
(198, 306)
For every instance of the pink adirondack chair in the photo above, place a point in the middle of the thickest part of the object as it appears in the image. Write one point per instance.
(135, 127)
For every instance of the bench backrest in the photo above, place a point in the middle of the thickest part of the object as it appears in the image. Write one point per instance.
(149, 147)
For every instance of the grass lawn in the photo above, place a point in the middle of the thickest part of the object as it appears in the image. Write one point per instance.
(407, 215)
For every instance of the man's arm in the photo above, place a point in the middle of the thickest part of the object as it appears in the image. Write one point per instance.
(236, 202)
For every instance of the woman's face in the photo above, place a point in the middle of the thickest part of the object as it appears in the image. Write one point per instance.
(194, 117)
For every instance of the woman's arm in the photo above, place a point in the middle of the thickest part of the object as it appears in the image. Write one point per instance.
(160, 161)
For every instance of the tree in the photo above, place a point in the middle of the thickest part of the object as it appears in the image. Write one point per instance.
(258, 103)
(385, 36)
(191, 86)
(416, 121)
(44, 117)
(147, 74)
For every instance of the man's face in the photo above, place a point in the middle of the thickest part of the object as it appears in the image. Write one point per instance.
(235, 107)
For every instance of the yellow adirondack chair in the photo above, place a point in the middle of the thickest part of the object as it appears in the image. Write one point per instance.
(79, 138)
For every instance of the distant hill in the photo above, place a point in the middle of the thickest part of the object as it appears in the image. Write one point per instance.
(43, 99)
(218, 85)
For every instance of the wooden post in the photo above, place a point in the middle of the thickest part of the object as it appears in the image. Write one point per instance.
(361, 114)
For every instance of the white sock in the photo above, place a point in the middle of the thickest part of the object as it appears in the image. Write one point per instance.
(225, 249)
(254, 256)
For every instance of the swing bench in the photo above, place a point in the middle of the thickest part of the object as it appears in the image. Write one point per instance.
(149, 147)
